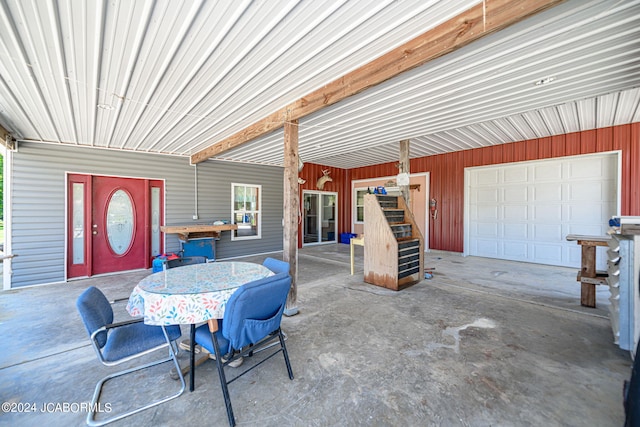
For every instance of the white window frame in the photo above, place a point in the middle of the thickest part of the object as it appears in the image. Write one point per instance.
(257, 213)
(355, 204)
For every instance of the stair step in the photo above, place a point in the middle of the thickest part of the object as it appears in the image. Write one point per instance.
(410, 251)
(401, 231)
(408, 258)
(387, 201)
(405, 273)
(408, 245)
(394, 216)
(408, 266)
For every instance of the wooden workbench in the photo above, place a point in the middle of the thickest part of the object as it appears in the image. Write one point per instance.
(186, 232)
(588, 276)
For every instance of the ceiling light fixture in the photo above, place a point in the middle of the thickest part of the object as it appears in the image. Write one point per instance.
(106, 107)
(545, 81)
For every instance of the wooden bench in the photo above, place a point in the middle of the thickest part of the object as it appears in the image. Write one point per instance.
(588, 276)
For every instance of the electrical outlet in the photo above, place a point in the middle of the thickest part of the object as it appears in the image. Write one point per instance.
(195, 216)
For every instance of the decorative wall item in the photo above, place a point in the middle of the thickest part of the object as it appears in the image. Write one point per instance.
(323, 179)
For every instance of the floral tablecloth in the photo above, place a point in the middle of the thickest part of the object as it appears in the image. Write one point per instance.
(192, 293)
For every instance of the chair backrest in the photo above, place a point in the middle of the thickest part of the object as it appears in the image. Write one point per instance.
(276, 265)
(179, 262)
(255, 310)
(95, 312)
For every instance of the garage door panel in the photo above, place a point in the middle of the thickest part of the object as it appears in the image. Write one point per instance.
(488, 177)
(610, 191)
(515, 175)
(547, 254)
(585, 229)
(515, 231)
(487, 195)
(488, 248)
(515, 212)
(516, 250)
(548, 172)
(487, 229)
(550, 192)
(575, 255)
(588, 214)
(536, 204)
(586, 168)
(546, 212)
(485, 212)
(546, 232)
(585, 191)
(515, 195)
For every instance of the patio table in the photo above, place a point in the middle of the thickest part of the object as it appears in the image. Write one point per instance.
(191, 294)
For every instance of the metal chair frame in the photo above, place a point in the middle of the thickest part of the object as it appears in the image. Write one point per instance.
(247, 352)
(241, 308)
(172, 357)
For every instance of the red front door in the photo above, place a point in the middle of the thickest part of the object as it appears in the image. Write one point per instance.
(110, 223)
(119, 222)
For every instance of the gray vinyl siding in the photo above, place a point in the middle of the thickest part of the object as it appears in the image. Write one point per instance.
(214, 187)
(38, 201)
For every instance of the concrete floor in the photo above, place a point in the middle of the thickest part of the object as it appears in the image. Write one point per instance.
(484, 342)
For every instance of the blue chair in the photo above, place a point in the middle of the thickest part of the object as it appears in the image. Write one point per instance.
(631, 393)
(179, 262)
(115, 343)
(251, 322)
(276, 265)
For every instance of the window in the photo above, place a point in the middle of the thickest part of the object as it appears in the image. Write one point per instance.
(247, 203)
(77, 221)
(359, 204)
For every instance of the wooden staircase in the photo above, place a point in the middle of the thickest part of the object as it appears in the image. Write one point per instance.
(393, 244)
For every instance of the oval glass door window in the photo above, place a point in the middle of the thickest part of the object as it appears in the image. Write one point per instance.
(120, 222)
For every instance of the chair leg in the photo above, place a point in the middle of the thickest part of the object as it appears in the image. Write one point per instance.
(223, 380)
(285, 353)
(192, 357)
(95, 404)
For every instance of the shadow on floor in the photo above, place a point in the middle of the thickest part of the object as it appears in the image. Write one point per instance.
(484, 342)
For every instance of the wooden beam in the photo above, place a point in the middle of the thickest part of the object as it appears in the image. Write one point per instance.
(6, 139)
(470, 25)
(291, 209)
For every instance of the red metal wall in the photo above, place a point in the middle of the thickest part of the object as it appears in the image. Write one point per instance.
(447, 174)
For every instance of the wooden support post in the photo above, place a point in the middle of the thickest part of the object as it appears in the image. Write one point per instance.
(291, 209)
(588, 276)
(405, 168)
(588, 270)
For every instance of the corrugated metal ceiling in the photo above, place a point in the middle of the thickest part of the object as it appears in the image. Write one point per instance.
(173, 77)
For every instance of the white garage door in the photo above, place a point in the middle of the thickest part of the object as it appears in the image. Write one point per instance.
(524, 211)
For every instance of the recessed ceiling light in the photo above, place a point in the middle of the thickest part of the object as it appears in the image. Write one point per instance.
(545, 81)
(106, 107)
